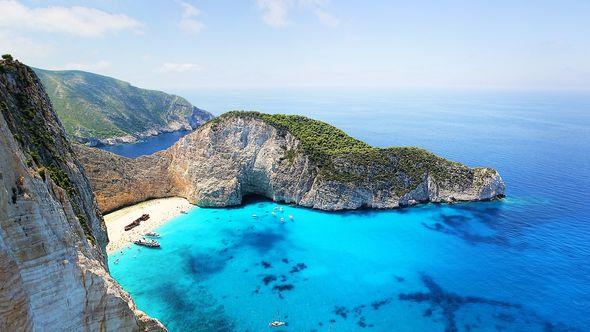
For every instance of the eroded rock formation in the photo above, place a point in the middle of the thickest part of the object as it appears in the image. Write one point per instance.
(244, 153)
(53, 272)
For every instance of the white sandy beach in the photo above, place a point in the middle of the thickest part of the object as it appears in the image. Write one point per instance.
(160, 210)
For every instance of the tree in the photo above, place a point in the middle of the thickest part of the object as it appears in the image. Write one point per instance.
(7, 57)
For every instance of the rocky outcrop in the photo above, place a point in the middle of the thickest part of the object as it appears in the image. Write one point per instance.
(120, 181)
(174, 123)
(53, 268)
(239, 154)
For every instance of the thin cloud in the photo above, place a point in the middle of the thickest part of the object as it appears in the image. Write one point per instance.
(77, 20)
(191, 26)
(87, 66)
(275, 13)
(189, 22)
(172, 67)
(327, 19)
(189, 10)
(25, 49)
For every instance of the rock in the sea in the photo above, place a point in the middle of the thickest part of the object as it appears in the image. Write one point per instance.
(289, 159)
(53, 271)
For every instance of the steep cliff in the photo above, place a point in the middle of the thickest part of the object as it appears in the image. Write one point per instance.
(289, 159)
(100, 109)
(52, 236)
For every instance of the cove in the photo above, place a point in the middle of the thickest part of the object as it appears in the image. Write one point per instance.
(147, 145)
(517, 264)
(429, 268)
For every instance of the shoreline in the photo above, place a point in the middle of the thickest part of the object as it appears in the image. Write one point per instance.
(127, 139)
(161, 210)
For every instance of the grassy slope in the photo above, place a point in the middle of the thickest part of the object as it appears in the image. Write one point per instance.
(91, 105)
(343, 158)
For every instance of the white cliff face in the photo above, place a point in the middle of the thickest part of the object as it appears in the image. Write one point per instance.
(224, 161)
(221, 164)
(52, 268)
(487, 183)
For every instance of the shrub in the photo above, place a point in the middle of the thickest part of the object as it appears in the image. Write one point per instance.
(343, 158)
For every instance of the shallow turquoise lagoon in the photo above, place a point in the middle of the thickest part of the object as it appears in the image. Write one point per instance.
(430, 268)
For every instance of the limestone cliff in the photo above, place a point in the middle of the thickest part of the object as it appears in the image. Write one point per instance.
(288, 159)
(53, 272)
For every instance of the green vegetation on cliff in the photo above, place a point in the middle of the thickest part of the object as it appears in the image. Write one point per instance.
(318, 139)
(344, 158)
(36, 129)
(96, 106)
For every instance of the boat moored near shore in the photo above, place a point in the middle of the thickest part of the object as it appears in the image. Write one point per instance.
(147, 243)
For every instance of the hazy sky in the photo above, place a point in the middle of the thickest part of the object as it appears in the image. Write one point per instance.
(260, 43)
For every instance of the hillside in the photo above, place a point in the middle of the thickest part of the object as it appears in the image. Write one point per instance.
(286, 158)
(98, 109)
(331, 149)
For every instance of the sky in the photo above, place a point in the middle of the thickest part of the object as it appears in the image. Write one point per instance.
(191, 44)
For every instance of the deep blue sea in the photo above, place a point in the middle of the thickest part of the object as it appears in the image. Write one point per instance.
(146, 146)
(520, 264)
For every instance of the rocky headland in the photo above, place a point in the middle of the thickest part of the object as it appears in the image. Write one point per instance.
(289, 159)
(53, 267)
(100, 110)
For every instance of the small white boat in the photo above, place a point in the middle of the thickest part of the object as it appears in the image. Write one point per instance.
(152, 234)
(277, 323)
(147, 243)
(254, 216)
(291, 216)
(282, 219)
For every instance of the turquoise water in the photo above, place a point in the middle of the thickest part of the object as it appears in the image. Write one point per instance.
(223, 269)
(520, 264)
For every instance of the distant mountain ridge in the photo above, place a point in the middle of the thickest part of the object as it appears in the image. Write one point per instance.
(97, 109)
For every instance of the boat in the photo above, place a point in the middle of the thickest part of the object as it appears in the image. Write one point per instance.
(147, 243)
(137, 221)
(277, 323)
(282, 219)
(254, 216)
(291, 216)
(183, 212)
(152, 234)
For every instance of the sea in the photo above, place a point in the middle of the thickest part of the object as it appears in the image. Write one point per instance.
(518, 264)
(146, 146)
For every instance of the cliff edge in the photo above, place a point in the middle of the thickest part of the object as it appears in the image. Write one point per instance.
(286, 158)
(52, 236)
